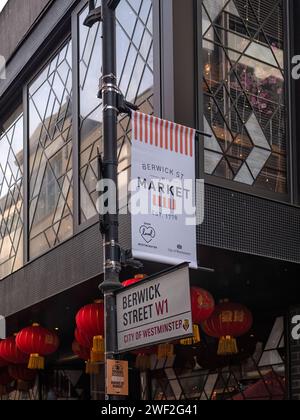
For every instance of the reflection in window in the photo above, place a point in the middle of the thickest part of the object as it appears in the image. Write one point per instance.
(50, 155)
(244, 103)
(135, 76)
(11, 195)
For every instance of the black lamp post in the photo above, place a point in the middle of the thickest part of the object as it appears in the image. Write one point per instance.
(114, 103)
(109, 223)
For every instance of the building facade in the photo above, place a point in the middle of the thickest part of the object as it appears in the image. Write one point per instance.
(222, 66)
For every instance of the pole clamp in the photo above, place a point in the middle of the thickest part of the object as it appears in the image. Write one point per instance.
(110, 108)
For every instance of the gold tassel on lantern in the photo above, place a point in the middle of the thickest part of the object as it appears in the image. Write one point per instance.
(227, 346)
(92, 368)
(97, 353)
(143, 362)
(36, 362)
(196, 339)
(165, 351)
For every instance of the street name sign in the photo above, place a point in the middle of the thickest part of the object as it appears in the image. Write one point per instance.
(154, 311)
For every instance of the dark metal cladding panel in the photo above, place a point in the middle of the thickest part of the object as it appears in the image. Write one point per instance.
(250, 225)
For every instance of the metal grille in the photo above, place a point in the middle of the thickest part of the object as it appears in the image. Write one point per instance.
(50, 160)
(197, 373)
(244, 101)
(251, 225)
(135, 77)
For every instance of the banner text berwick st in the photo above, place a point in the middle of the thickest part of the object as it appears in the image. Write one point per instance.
(150, 298)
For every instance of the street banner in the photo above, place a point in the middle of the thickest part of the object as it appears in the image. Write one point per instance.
(154, 311)
(163, 183)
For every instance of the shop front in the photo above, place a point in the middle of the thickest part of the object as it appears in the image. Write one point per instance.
(255, 312)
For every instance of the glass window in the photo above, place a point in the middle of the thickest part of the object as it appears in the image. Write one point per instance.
(244, 101)
(135, 76)
(11, 195)
(50, 154)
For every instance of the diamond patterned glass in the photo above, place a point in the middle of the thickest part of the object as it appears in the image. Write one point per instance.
(50, 154)
(135, 76)
(244, 102)
(11, 196)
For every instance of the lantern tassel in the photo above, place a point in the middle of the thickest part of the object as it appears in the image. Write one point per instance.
(97, 353)
(165, 351)
(36, 362)
(92, 368)
(143, 362)
(227, 346)
(196, 339)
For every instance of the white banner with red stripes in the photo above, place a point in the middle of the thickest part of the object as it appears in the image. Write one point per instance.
(163, 179)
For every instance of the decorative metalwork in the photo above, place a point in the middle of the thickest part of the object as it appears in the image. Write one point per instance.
(50, 154)
(135, 76)
(11, 197)
(244, 101)
(257, 373)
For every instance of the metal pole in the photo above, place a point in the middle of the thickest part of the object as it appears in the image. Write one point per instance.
(112, 251)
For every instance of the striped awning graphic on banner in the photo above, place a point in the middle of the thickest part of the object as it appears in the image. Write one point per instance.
(163, 134)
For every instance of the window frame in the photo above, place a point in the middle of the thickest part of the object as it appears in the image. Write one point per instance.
(15, 113)
(66, 29)
(26, 139)
(230, 184)
(156, 11)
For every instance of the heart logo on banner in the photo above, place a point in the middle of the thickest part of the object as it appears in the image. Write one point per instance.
(147, 233)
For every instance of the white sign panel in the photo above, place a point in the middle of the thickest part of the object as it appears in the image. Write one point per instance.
(164, 176)
(155, 311)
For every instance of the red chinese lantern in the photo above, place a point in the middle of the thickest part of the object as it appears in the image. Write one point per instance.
(83, 339)
(229, 320)
(82, 352)
(10, 352)
(90, 320)
(21, 373)
(203, 306)
(37, 342)
(136, 279)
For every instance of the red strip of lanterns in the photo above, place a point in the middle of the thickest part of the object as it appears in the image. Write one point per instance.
(30, 346)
